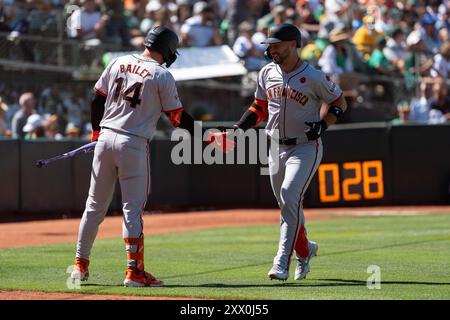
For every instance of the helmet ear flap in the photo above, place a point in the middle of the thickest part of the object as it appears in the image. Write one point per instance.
(170, 59)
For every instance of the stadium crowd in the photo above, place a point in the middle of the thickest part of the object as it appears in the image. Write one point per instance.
(407, 39)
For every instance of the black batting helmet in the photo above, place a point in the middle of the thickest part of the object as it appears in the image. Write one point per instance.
(165, 41)
(283, 32)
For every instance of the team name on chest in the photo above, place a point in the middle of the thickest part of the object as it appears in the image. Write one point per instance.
(290, 93)
(134, 68)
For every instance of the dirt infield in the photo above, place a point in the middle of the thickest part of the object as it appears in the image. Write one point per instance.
(26, 234)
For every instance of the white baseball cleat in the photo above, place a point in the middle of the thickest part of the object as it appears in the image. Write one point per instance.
(80, 269)
(278, 273)
(303, 264)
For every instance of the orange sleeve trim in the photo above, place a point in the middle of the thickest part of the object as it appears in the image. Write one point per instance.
(261, 103)
(336, 99)
(100, 92)
(264, 106)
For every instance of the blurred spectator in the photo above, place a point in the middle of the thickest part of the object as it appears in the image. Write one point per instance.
(19, 23)
(441, 62)
(73, 106)
(4, 131)
(72, 131)
(51, 101)
(440, 106)
(305, 9)
(276, 16)
(296, 20)
(116, 29)
(27, 107)
(3, 17)
(201, 30)
(33, 128)
(150, 16)
(337, 59)
(43, 19)
(430, 34)
(378, 61)
(313, 51)
(420, 107)
(184, 12)
(383, 22)
(433, 8)
(246, 48)
(414, 64)
(242, 10)
(86, 23)
(443, 23)
(395, 49)
(339, 12)
(43, 22)
(50, 125)
(163, 18)
(366, 36)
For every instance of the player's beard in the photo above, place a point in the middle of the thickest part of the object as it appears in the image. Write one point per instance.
(281, 57)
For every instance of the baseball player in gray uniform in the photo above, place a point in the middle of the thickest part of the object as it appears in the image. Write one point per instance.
(130, 96)
(289, 94)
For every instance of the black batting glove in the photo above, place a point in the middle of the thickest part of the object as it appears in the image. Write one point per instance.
(316, 129)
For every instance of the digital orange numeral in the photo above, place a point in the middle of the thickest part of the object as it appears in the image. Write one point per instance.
(356, 167)
(334, 169)
(377, 179)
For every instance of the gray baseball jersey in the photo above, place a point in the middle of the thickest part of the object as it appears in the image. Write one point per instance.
(292, 99)
(137, 90)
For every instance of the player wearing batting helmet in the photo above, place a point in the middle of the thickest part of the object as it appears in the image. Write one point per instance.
(130, 96)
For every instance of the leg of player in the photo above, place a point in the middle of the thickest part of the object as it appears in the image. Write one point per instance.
(277, 169)
(302, 162)
(134, 178)
(101, 191)
(304, 248)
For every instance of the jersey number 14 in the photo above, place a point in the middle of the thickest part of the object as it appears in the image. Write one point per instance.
(132, 94)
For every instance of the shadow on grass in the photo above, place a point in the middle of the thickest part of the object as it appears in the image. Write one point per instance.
(364, 283)
(331, 283)
(269, 263)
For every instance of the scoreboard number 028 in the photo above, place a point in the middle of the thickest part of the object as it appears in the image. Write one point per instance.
(351, 181)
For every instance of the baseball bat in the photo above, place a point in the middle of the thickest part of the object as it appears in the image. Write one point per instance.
(83, 149)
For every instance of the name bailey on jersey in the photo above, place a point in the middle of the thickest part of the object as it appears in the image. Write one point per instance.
(133, 68)
(288, 92)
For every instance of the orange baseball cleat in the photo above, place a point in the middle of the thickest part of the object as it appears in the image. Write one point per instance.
(137, 278)
(80, 269)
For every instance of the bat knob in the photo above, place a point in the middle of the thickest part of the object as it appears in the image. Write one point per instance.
(39, 164)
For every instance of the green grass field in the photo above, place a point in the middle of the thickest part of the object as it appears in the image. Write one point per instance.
(413, 253)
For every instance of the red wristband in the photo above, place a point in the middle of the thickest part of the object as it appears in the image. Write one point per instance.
(94, 136)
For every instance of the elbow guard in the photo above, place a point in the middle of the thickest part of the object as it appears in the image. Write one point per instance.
(336, 110)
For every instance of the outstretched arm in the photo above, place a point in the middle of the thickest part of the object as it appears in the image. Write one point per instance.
(181, 119)
(253, 116)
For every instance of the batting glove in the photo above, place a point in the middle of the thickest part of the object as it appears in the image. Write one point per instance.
(316, 129)
(220, 142)
(94, 135)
